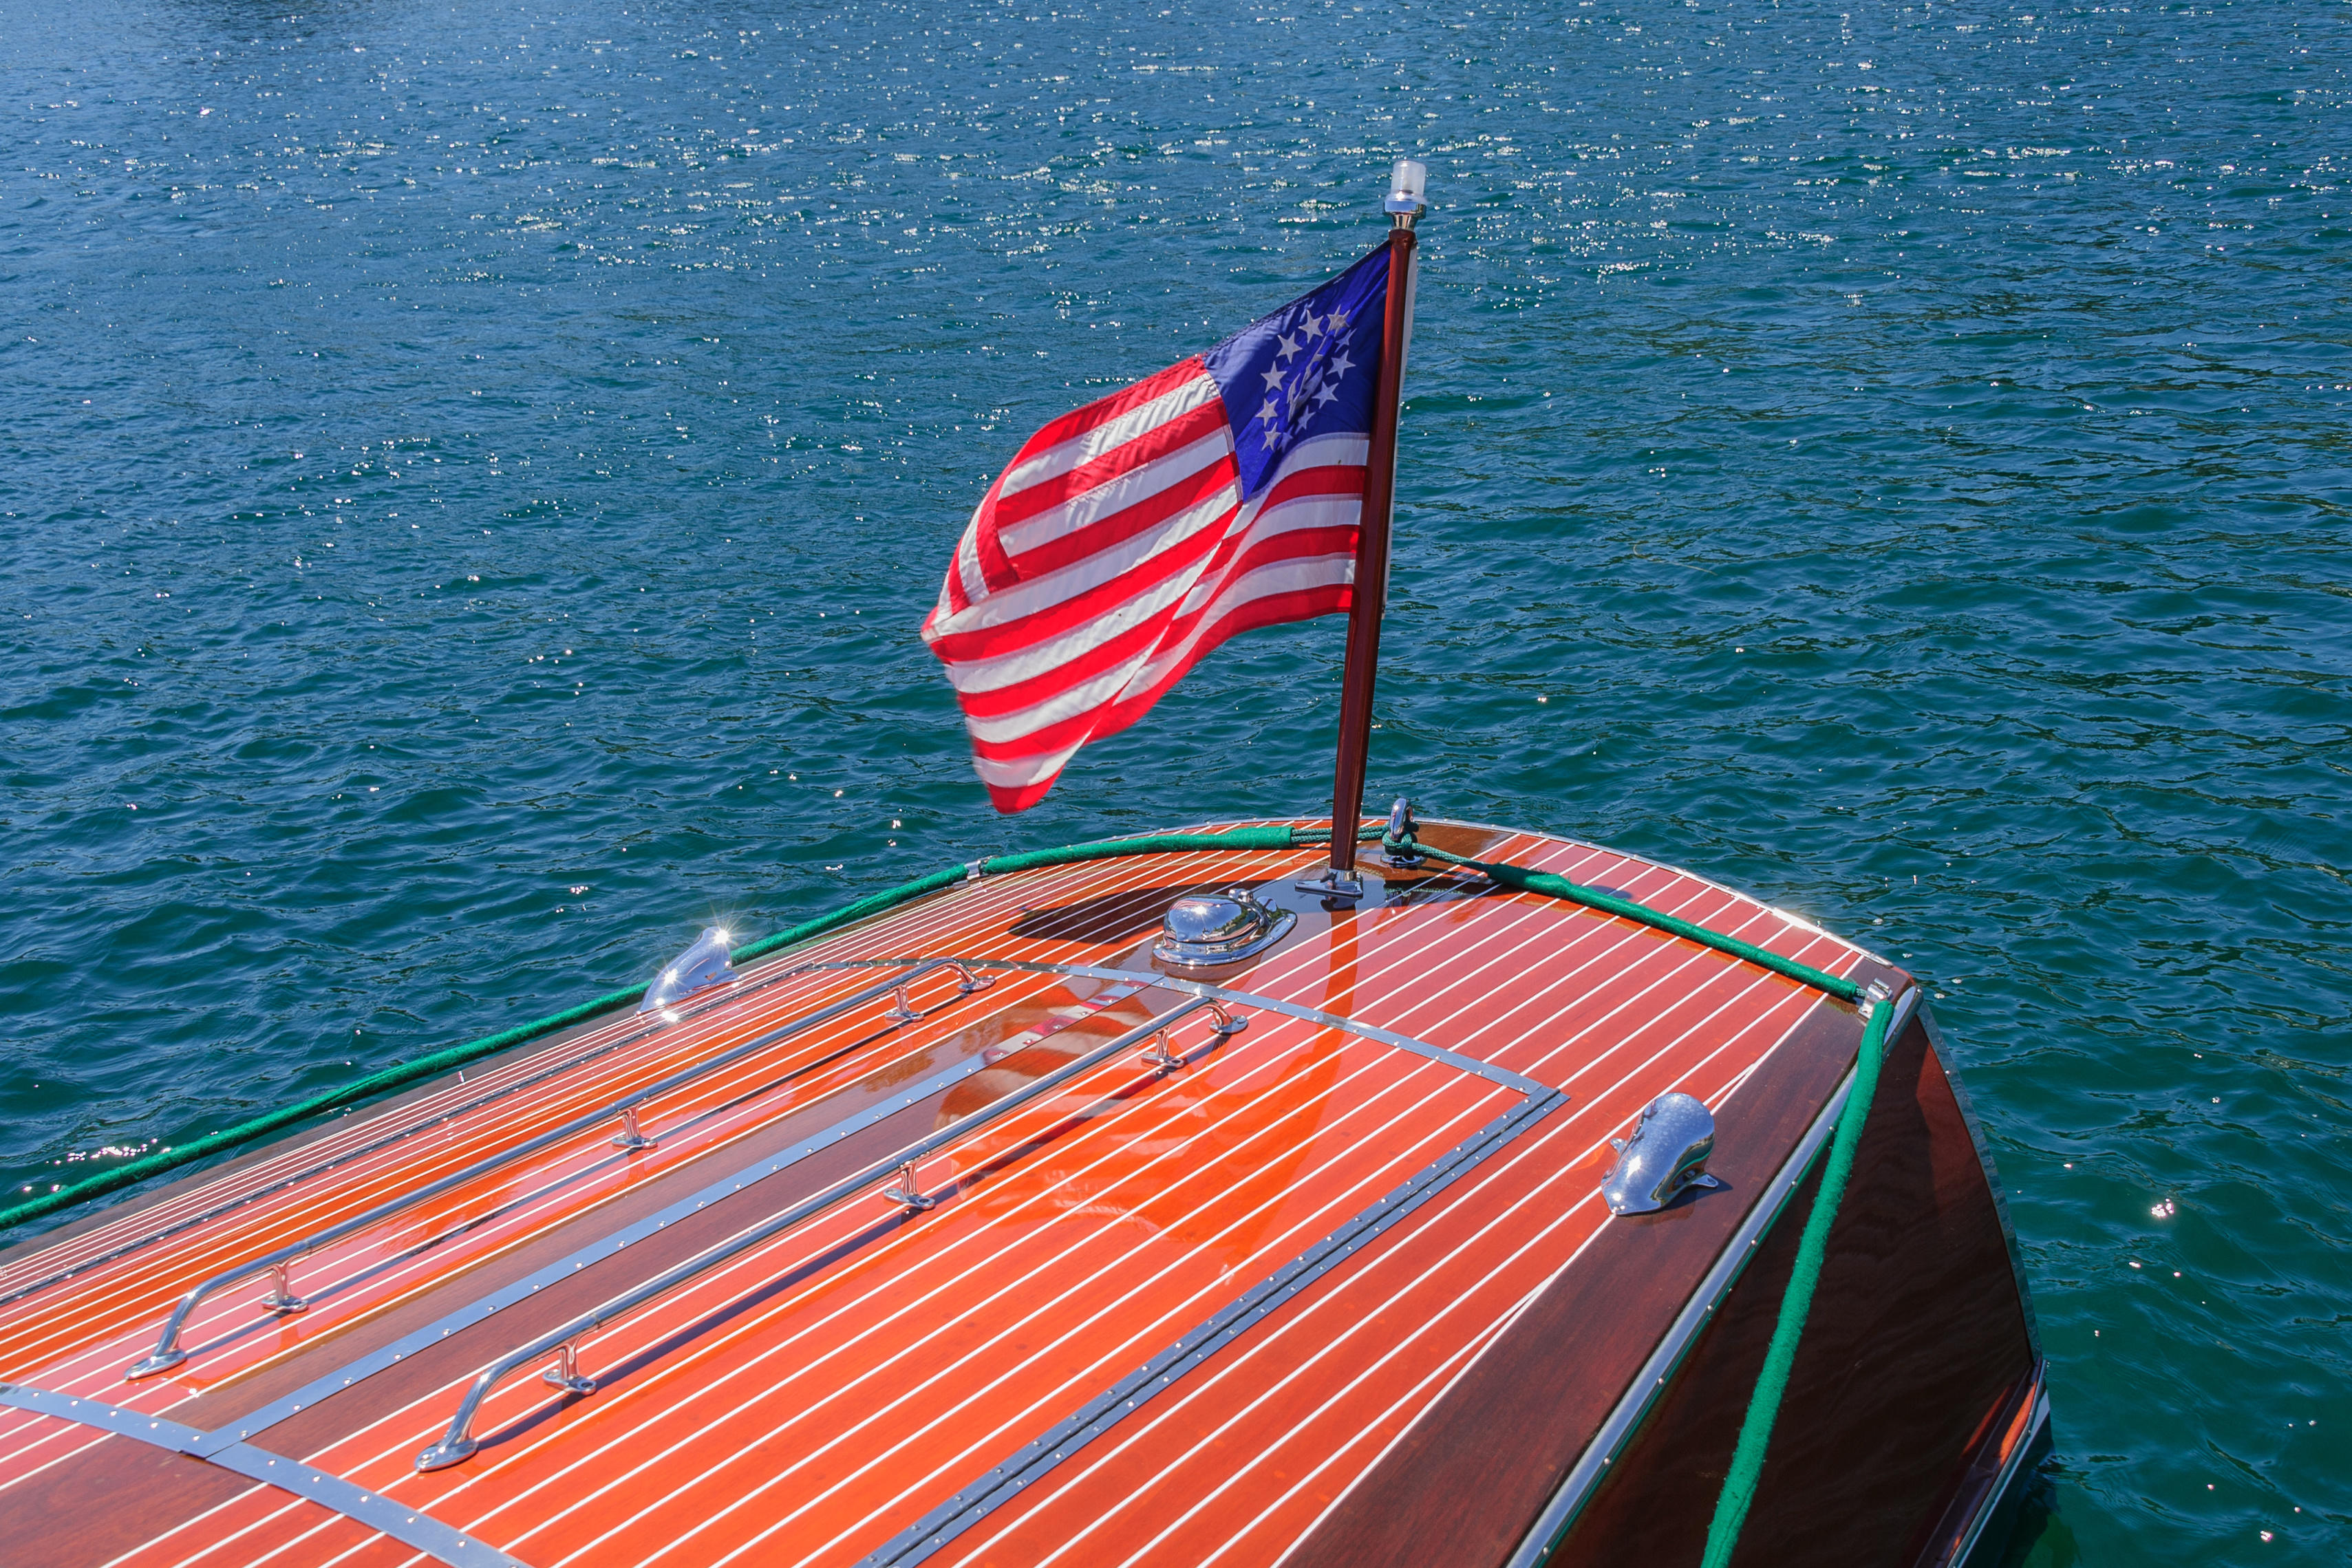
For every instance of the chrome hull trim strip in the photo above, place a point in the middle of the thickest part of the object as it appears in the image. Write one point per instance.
(443, 1542)
(1601, 1452)
(1991, 1508)
(1157, 982)
(475, 1312)
(1032, 1462)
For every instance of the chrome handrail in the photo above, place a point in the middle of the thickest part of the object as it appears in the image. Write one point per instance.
(459, 1444)
(281, 1299)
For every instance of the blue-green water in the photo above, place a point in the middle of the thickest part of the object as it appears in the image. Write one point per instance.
(473, 474)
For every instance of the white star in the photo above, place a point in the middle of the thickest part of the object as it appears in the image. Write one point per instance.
(1338, 321)
(1328, 394)
(1340, 366)
(1314, 325)
(1273, 378)
(1269, 412)
(1288, 347)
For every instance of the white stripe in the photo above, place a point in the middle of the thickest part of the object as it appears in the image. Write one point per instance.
(1129, 487)
(967, 561)
(1027, 473)
(1044, 592)
(1278, 577)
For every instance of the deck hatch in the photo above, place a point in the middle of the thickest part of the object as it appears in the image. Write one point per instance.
(1038, 1458)
(733, 1182)
(691, 1010)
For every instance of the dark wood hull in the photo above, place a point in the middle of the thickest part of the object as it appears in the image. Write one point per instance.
(1914, 1405)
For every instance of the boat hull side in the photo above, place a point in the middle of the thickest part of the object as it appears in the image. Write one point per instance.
(1916, 1396)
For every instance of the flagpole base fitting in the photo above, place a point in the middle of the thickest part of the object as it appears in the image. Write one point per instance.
(1333, 885)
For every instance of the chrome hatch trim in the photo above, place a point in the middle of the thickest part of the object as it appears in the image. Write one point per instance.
(1152, 979)
(444, 1542)
(1007, 1480)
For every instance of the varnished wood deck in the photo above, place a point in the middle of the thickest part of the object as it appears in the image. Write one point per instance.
(1315, 1228)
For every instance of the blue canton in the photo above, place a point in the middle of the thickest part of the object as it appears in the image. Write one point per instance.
(1310, 369)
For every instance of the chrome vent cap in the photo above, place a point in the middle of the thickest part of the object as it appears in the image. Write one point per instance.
(1206, 928)
(1667, 1152)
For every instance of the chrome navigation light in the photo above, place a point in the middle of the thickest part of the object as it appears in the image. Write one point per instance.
(704, 963)
(1406, 186)
(1667, 1152)
(1207, 928)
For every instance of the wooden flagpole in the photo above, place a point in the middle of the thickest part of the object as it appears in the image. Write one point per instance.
(1372, 584)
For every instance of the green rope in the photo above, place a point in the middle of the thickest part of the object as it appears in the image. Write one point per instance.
(458, 1056)
(1747, 1470)
(1610, 903)
(1812, 1248)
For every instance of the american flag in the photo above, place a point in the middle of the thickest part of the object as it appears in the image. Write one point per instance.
(1129, 538)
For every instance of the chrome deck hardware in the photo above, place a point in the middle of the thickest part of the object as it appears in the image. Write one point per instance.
(565, 1373)
(1666, 1154)
(167, 1353)
(282, 1298)
(631, 1136)
(901, 1010)
(458, 1443)
(1872, 994)
(1168, 1060)
(1402, 829)
(703, 964)
(1332, 884)
(906, 1194)
(1208, 928)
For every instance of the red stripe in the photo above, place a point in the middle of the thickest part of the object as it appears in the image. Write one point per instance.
(1108, 532)
(1067, 614)
(1122, 459)
(1102, 411)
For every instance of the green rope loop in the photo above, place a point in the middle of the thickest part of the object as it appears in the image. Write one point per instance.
(1611, 903)
(458, 1056)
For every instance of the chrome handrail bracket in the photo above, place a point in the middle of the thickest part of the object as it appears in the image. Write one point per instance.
(282, 1298)
(565, 1373)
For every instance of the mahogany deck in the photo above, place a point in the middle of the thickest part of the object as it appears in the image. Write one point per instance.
(1316, 1228)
